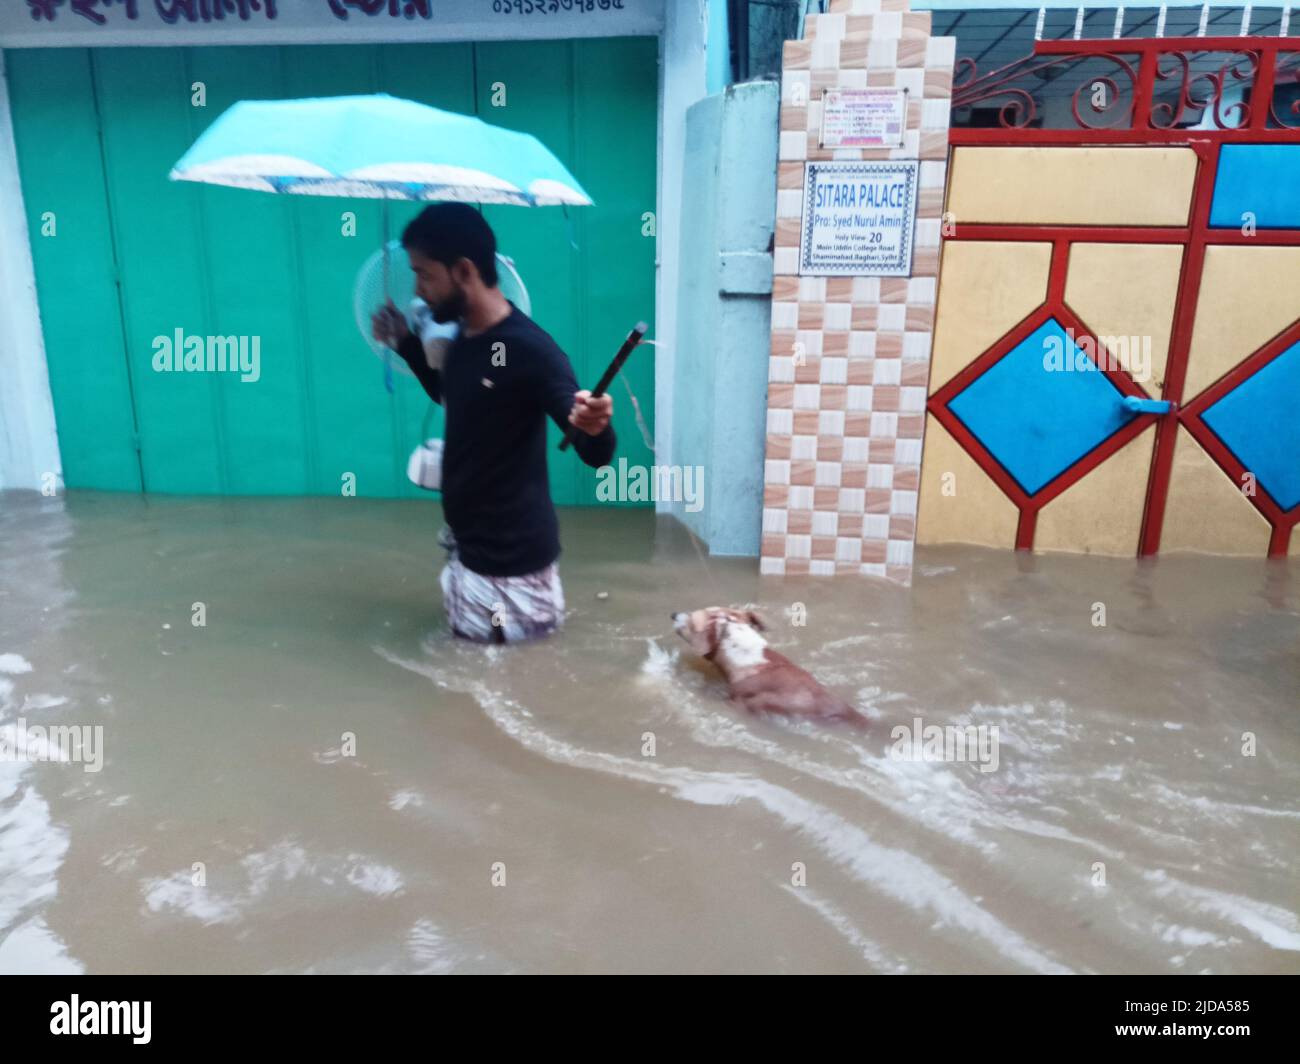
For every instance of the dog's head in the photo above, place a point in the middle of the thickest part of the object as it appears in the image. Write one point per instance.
(705, 631)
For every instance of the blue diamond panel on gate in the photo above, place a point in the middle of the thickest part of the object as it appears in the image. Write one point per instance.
(1257, 183)
(1041, 407)
(1259, 422)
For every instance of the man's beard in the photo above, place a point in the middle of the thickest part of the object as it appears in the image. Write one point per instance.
(450, 309)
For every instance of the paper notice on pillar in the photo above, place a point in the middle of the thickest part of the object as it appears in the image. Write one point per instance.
(863, 118)
(858, 218)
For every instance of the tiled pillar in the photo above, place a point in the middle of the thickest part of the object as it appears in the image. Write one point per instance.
(845, 420)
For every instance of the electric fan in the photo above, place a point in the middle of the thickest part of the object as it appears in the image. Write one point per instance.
(387, 276)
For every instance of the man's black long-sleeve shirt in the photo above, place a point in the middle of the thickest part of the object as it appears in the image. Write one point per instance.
(496, 495)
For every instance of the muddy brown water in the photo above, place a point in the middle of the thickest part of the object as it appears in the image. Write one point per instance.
(591, 803)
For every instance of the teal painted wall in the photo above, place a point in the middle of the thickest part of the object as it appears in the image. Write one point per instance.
(723, 333)
(718, 52)
(135, 256)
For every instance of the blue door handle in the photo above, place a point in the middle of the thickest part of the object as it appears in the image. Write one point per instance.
(1147, 406)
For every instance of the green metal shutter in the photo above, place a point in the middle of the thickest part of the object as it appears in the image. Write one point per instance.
(136, 256)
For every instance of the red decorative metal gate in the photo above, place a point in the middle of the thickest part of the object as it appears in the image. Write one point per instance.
(1244, 95)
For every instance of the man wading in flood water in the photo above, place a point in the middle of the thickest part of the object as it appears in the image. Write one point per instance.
(497, 381)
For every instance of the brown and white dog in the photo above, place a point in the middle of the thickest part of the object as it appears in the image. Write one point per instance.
(760, 679)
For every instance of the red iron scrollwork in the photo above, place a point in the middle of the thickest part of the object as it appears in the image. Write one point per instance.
(1241, 68)
(1109, 95)
(1286, 76)
(1149, 84)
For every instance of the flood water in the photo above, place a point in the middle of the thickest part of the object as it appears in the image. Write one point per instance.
(319, 779)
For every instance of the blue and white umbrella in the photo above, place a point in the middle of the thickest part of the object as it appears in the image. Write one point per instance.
(377, 147)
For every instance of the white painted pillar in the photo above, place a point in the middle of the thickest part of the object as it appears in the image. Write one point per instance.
(29, 443)
(682, 81)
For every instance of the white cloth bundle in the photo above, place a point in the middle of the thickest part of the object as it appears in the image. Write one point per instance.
(424, 467)
(435, 338)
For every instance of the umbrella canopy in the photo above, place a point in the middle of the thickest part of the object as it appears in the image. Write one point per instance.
(377, 147)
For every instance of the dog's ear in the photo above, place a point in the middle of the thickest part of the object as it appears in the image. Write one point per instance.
(714, 633)
(756, 621)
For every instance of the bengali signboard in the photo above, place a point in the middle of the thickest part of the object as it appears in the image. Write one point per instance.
(863, 118)
(858, 218)
(80, 23)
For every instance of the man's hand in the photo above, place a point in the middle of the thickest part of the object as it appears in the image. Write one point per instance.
(591, 415)
(388, 325)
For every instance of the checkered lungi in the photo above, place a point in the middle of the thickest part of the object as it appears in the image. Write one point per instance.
(500, 609)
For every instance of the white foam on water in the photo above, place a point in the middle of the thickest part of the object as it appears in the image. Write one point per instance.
(123, 860)
(1229, 813)
(870, 779)
(1169, 840)
(33, 949)
(932, 794)
(179, 892)
(14, 663)
(659, 663)
(434, 951)
(372, 877)
(1025, 728)
(928, 793)
(897, 874)
(874, 697)
(1272, 925)
(267, 871)
(31, 702)
(32, 850)
(881, 962)
(848, 641)
(399, 800)
(429, 949)
(283, 862)
(1188, 936)
(27, 746)
(333, 756)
